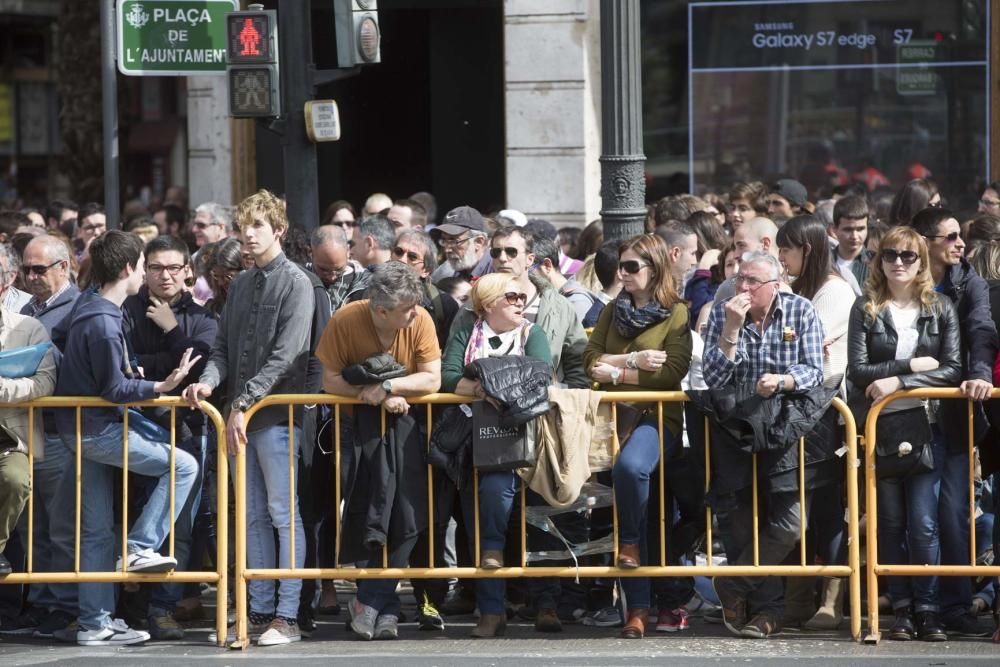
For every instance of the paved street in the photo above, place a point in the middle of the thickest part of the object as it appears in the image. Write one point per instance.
(702, 645)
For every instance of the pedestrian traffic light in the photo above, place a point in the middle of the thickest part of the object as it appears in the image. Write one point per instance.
(359, 37)
(252, 63)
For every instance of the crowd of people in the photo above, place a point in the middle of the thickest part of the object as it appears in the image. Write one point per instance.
(761, 303)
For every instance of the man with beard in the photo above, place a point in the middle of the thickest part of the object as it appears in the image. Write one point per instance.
(462, 236)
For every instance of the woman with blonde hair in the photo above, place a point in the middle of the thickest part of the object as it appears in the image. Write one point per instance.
(642, 342)
(499, 330)
(903, 335)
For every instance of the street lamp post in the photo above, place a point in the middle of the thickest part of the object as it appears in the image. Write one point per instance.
(623, 186)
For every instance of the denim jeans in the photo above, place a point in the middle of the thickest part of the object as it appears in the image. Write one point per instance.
(908, 523)
(780, 528)
(953, 518)
(631, 474)
(101, 454)
(269, 495)
(54, 526)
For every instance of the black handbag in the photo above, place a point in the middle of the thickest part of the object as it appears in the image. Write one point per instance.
(496, 447)
(903, 444)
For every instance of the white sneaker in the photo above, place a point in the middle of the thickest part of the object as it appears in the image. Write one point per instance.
(387, 627)
(148, 560)
(116, 634)
(363, 618)
(254, 631)
(280, 632)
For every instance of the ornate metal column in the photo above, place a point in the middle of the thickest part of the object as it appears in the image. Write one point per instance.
(623, 186)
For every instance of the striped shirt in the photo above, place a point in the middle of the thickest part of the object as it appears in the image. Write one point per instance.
(792, 345)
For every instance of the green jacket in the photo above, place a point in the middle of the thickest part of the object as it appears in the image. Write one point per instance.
(558, 319)
(453, 359)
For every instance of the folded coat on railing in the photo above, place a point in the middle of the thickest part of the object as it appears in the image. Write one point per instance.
(518, 384)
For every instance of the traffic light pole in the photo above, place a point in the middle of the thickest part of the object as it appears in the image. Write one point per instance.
(301, 174)
(109, 110)
(623, 185)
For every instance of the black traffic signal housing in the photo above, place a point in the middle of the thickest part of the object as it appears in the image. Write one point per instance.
(359, 37)
(252, 70)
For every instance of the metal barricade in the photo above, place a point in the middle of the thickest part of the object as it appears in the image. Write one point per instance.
(244, 574)
(873, 568)
(217, 577)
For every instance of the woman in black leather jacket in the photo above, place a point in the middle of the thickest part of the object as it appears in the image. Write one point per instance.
(903, 336)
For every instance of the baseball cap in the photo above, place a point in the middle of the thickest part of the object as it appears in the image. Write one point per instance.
(791, 190)
(458, 221)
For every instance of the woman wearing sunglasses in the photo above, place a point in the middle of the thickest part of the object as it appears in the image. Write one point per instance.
(499, 330)
(902, 335)
(641, 342)
(804, 251)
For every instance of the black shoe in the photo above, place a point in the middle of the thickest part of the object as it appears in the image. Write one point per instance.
(929, 628)
(25, 624)
(5, 566)
(458, 603)
(902, 628)
(306, 623)
(965, 625)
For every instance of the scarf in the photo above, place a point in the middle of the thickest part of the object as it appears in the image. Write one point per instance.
(484, 342)
(631, 321)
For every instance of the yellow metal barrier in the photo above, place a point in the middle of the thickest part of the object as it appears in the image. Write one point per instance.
(243, 574)
(873, 567)
(218, 577)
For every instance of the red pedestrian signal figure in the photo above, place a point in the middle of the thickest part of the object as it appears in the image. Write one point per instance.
(249, 39)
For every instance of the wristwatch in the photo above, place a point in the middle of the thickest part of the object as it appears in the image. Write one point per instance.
(616, 374)
(242, 404)
(781, 384)
(387, 386)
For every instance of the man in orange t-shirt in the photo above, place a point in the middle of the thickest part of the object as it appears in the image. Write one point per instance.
(390, 320)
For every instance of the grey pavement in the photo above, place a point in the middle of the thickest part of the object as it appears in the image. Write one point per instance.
(577, 645)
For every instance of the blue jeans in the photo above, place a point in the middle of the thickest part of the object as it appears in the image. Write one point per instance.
(269, 494)
(908, 523)
(631, 473)
(953, 515)
(101, 454)
(54, 526)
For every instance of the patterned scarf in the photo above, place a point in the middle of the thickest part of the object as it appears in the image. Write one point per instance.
(631, 321)
(484, 342)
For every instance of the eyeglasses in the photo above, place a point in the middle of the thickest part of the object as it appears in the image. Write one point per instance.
(753, 283)
(950, 238)
(203, 225)
(510, 252)
(172, 269)
(631, 266)
(329, 270)
(989, 203)
(453, 243)
(890, 255)
(39, 269)
(409, 255)
(513, 298)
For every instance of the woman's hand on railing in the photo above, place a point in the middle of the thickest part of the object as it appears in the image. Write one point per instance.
(879, 389)
(977, 390)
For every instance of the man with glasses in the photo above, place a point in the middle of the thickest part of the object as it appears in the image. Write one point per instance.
(51, 607)
(345, 280)
(771, 341)
(212, 222)
(954, 277)
(92, 224)
(462, 237)
(160, 322)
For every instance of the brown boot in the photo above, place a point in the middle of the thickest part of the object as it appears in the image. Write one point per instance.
(800, 601)
(628, 556)
(547, 621)
(831, 614)
(635, 627)
(490, 625)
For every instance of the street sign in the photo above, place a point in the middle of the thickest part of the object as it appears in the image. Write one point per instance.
(322, 120)
(172, 37)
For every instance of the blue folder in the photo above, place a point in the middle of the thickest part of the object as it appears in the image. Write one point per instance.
(22, 362)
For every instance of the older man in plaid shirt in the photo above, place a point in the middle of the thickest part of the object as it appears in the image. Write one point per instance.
(773, 340)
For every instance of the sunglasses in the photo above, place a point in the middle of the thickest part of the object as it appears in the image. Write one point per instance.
(908, 257)
(496, 252)
(411, 257)
(513, 298)
(950, 238)
(39, 269)
(631, 266)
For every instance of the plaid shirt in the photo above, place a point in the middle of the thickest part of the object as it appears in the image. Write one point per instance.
(792, 345)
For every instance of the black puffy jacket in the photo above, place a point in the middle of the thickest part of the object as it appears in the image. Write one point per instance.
(871, 349)
(519, 384)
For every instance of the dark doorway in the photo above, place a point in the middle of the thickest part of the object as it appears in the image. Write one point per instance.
(429, 117)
